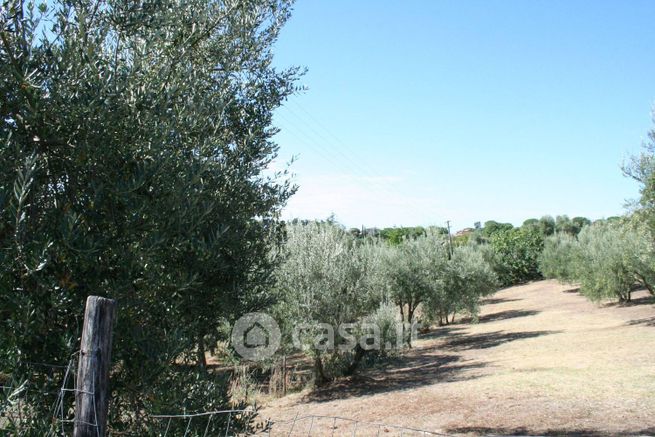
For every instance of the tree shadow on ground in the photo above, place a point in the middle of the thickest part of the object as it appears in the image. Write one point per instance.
(442, 331)
(549, 432)
(495, 300)
(490, 339)
(504, 315)
(648, 321)
(435, 363)
(398, 374)
(644, 300)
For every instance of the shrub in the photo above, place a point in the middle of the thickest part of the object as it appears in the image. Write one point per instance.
(516, 255)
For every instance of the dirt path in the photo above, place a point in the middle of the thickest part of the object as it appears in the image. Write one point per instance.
(542, 360)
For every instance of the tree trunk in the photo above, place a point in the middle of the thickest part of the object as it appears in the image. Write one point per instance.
(410, 319)
(202, 360)
(402, 323)
(359, 354)
(319, 372)
(645, 283)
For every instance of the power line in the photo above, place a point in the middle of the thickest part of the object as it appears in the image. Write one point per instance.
(297, 132)
(354, 164)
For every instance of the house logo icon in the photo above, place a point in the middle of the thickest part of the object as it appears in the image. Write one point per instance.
(256, 336)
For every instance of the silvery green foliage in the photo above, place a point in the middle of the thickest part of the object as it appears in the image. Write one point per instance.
(557, 261)
(416, 272)
(422, 275)
(330, 277)
(470, 278)
(641, 168)
(466, 278)
(610, 258)
(387, 320)
(602, 268)
(641, 255)
(327, 277)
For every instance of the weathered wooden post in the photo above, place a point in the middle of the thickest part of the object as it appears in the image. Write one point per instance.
(92, 391)
(284, 375)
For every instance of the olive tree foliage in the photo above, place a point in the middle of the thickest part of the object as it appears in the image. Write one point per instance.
(134, 138)
(415, 272)
(603, 268)
(469, 278)
(331, 279)
(557, 261)
(641, 168)
(327, 280)
(464, 279)
(421, 274)
(608, 259)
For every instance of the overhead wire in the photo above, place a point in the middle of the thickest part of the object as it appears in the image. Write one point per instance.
(375, 190)
(372, 180)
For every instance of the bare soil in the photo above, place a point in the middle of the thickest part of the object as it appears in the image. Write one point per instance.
(541, 361)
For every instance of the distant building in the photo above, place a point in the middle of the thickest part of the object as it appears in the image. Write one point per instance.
(465, 231)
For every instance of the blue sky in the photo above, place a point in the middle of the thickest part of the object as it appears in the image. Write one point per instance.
(418, 112)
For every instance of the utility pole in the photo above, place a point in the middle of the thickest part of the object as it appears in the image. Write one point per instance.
(450, 240)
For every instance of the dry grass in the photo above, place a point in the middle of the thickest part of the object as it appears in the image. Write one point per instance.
(542, 360)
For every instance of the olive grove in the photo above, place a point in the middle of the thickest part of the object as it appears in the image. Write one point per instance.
(331, 280)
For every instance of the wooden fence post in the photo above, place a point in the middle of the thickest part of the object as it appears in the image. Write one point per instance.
(92, 391)
(284, 375)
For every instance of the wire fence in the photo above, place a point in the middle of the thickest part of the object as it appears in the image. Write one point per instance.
(321, 425)
(60, 384)
(306, 426)
(223, 423)
(211, 423)
(64, 409)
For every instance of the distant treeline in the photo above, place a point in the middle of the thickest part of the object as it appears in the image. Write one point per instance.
(516, 250)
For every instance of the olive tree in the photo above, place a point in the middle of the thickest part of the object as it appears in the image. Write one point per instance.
(601, 263)
(415, 271)
(464, 280)
(613, 257)
(327, 280)
(134, 143)
(558, 259)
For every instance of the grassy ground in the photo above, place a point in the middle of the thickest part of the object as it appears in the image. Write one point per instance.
(542, 360)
